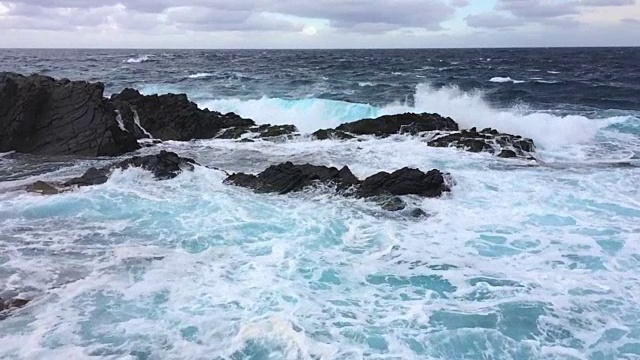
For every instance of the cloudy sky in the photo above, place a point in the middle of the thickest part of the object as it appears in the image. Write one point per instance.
(318, 23)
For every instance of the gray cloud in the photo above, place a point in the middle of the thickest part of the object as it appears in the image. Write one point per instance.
(491, 20)
(359, 16)
(459, 3)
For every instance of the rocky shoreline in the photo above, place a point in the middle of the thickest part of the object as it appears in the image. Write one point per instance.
(41, 115)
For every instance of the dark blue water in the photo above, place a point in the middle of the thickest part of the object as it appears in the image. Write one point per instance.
(520, 261)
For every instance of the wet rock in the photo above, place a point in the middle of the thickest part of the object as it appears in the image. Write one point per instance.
(399, 124)
(42, 115)
(418, 213)
(171, 116)
(382, 188)
(164, 165)
(507, 154)
(43, 188)
(287, 177)
(405, 181)
(93, 176)
(6, 306)
(262, 131)
(489, 140)
(327, 134)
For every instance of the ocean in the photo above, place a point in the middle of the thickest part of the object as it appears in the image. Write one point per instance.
(521, 260)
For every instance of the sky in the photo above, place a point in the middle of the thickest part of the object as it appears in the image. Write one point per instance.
(318, 23)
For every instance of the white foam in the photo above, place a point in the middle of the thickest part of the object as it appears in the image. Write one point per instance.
(139, 59)
(200, 75)
(120, 121)
(505, 80)
(136, 120)
(469, 109)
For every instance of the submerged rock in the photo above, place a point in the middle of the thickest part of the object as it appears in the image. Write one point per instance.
(327, 134)
(383, 188)
(6, 306)
(408, 123)
(262, 131)
(164, 165)
(42, 115)
(43, 188)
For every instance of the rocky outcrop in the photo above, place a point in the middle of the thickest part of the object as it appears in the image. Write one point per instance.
(489, 140)
(408, 123)
(262, 131)
(382, 187)
(327, 134)
(441, 131)
(41, 115)
(171, 117)
(164, 165)
(9, 305)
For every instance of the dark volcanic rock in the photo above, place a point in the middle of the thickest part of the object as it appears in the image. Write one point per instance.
(383, 188)
(43, 188)
(262, 131)
(171, 116)
(6, 306)
(405, 181)
(286, 177)
(326, 134)
(490, 140)
(41, 115)
(403, 123)
(165, 165)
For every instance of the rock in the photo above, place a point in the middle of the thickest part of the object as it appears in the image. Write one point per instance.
(43, 188)
(391, 203)
(405, 181)
(165, 165)
(277, 130)
(93, 176)
(287, 177)
(507, 154)
(383, 188)
(41, 115)
(327, 134)
(15, 303)
(402, 123)
(489, 140)
(171, 116)
(262, 131)
(418, 213)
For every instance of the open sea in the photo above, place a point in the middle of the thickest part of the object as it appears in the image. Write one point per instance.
(519, 261)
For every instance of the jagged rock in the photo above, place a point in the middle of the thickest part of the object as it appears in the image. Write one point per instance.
(405, 181)
(262, 131)
(490, 140)
(402, 123)
(41, 115)
(171, 116)
(287, 177)
(326, 134)
(6, 306)
(418, 213)
(507, 154)
(165, 165)
(43, 188)
(383, 188)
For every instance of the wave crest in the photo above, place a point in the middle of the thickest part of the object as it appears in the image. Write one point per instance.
(469, 109)
(139, 59)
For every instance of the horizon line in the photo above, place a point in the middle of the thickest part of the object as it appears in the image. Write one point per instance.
(337, 48)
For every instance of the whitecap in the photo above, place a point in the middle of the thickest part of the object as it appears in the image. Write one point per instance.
(139, 59)
(498, 79)
(200, 75)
